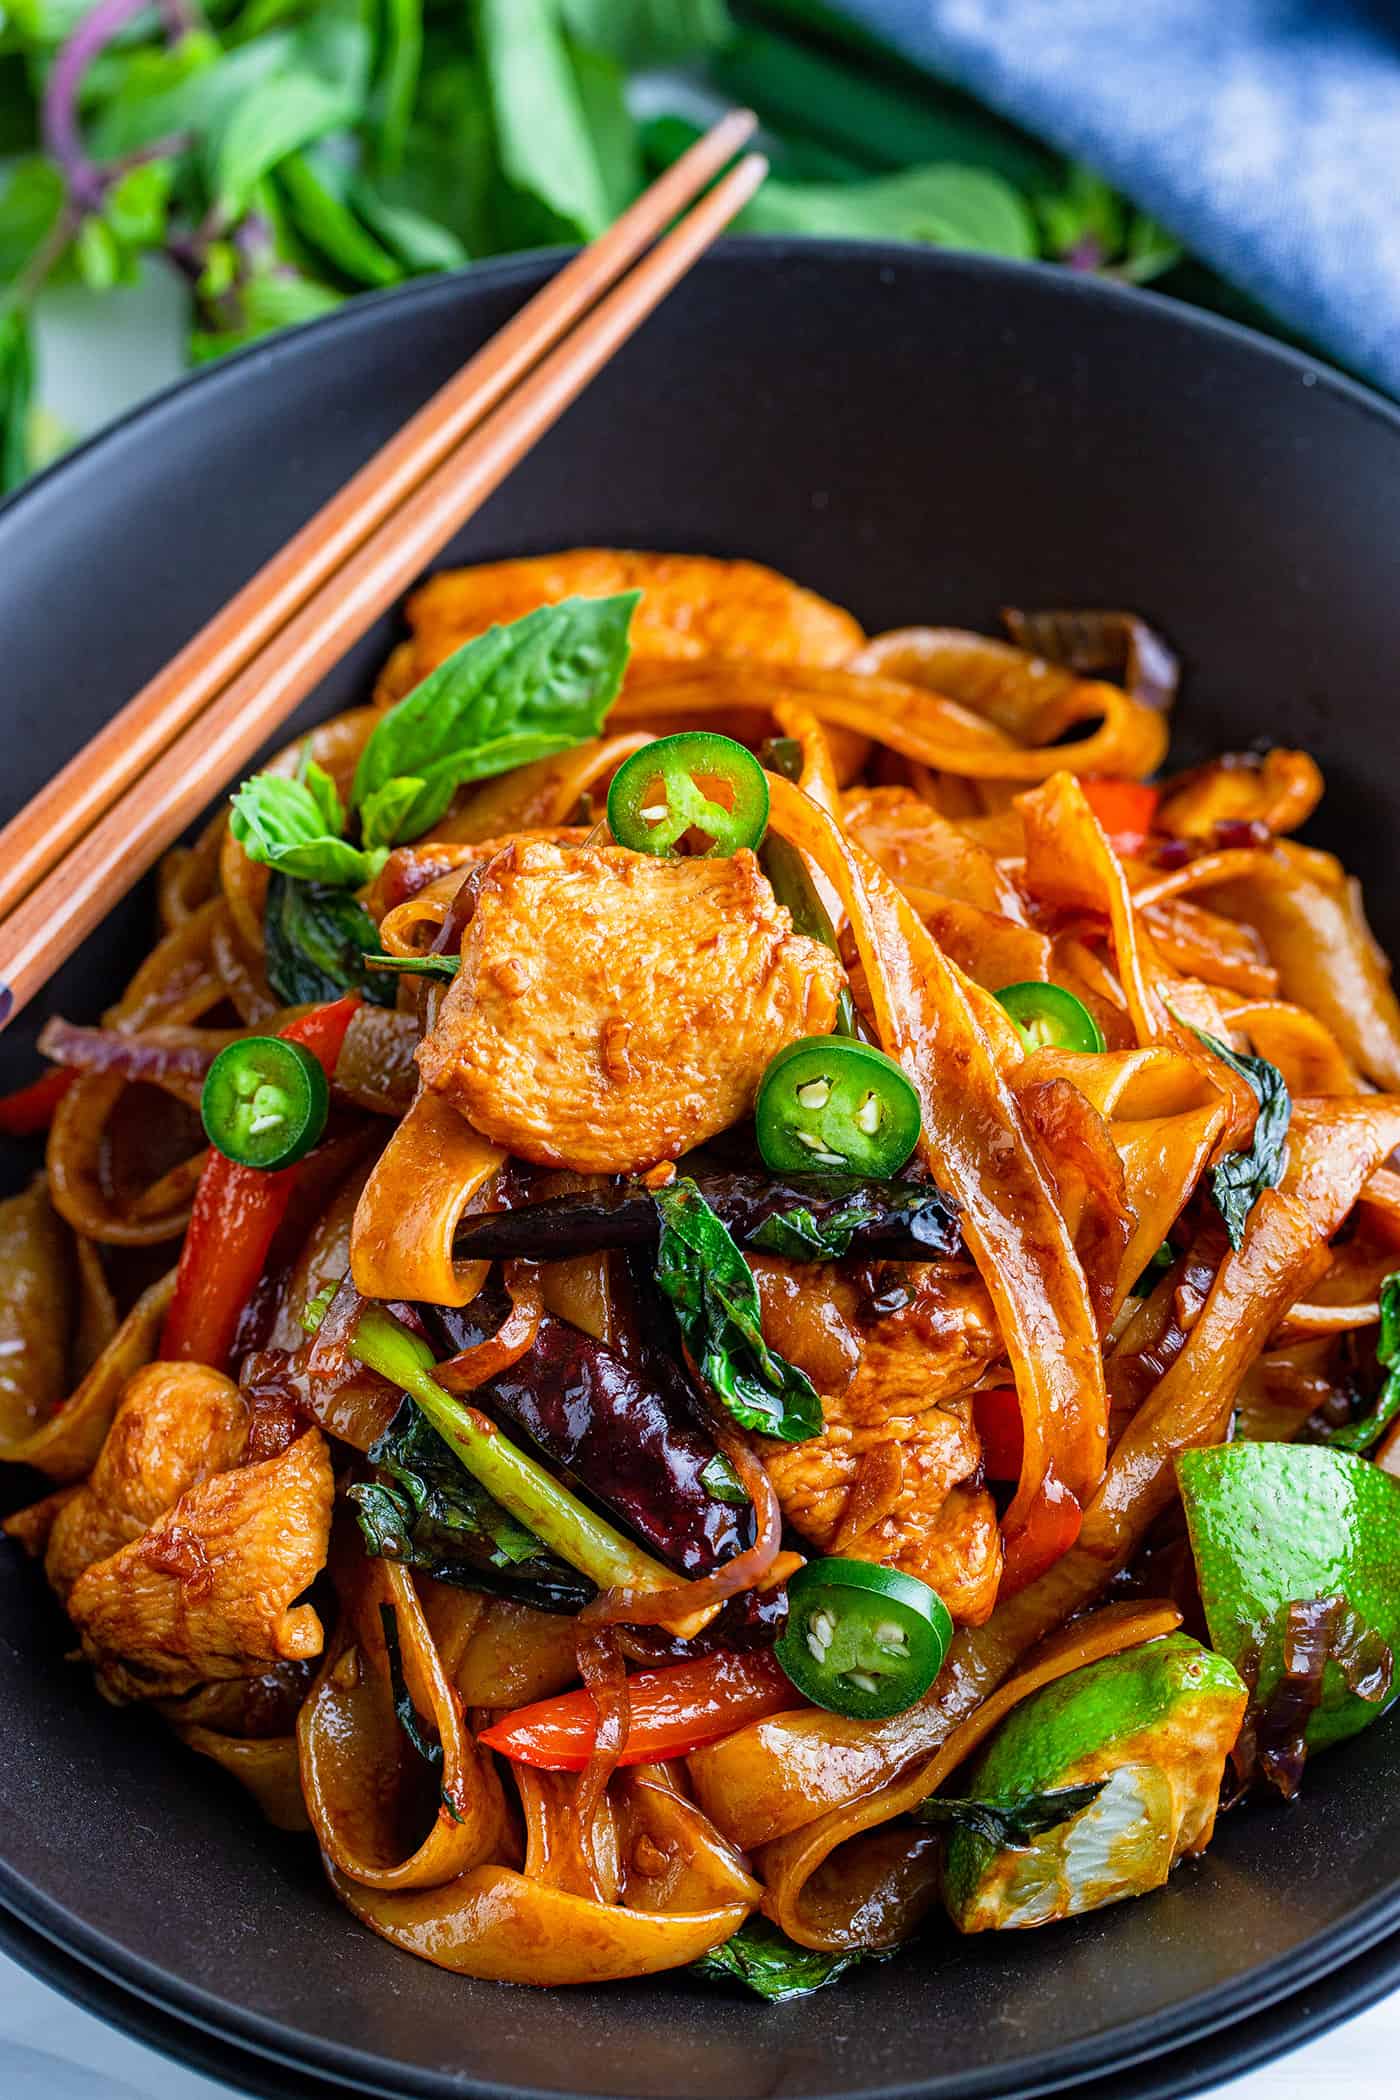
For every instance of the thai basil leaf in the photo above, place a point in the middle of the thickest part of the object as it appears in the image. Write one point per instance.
(137, 206)
(798, 1233)
(275, 120)
(267, 304)
(719, 1479)
(946, 207)
(715, 1300)
(617, 141)
(427, 1511)
(1358, 1436)
(316, 939)
(542, 136)
(316, 202)
(513, 694)
(285, 824)
(1241, 1177)
(428, 1747)
(401, 65)
(421, 244)
(1012, 1822)
(16, 396)
(772, 1966)
(31, 198)
(386, 811)
(649, 32)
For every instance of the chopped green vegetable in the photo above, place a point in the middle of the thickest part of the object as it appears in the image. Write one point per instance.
(516, 1481)
(511, 695)
(832, 1102)
(799, 1234)
(265, 1102)
(693, 781)
(771, 1965)
(426, 1510)
(1241, 1177)
(715, 1300)
(442, 966)
(1047, 1017)
(862, 1639)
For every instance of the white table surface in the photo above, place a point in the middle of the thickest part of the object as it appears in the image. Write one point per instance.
(50, 2049)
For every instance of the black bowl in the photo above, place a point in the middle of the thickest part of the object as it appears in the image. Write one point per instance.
(922, 437)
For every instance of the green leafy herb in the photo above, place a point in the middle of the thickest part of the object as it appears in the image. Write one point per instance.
(1015, 1821)
(1155, 1270)
(771, 1965)
(401, 67)
(316, 192)
(799, 1234)
(715, 1300)
(1368, 1429)
(275, 120)
(511, 695)
(16, 393)
(1242, 1176)
(427, 1745)
(946, 207)
(285, 825)
(719, 1478)
(649, 32)
(316, 939)
(427, 1511)
(388, 809)
(542, 137)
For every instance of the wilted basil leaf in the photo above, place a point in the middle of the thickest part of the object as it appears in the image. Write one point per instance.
(1367, 1429)
(1241, 1177)
(427, 1511)
(771, 1965)
(316, 940)
(428, 1747)
(508, 696)
(1015, 1821)
(715, 1300)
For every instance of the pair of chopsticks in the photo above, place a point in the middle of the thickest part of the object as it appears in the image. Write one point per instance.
(91, 834)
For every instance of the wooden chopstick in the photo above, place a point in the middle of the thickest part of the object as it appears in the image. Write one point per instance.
(77, 894)
(76, 797)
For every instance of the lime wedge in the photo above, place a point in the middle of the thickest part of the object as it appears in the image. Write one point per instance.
(1156, 1723)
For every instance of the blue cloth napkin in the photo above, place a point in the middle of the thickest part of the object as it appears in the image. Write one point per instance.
(1265, 134)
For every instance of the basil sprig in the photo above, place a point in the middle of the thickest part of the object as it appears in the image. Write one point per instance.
(1241, 1177)
(715, 1300)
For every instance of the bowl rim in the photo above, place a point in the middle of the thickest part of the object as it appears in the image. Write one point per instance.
(1224, 2005)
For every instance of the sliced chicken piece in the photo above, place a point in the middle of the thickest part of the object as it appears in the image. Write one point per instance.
(207, 1590)
(894, 1476)
(177, 1424)
(692, 605)
(613, 1009)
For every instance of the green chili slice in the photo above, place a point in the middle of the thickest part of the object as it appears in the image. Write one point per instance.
(1047, 1017)
(693, 781)
(861, 1639)
(830, 1101)
(265, 1102)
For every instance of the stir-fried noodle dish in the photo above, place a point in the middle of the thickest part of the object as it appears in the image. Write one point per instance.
(726, 1284)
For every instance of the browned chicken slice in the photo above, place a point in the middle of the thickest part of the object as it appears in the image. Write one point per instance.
(177, 1424)
(692, 605)
(207, 1590)
(613, 1009)
(894, 1476)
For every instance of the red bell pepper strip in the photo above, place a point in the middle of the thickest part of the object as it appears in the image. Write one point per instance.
(1125, 808)
(237, 1211)
(997, 1415)
(1049, 1531)
(31, 1110)
(672, 1711)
